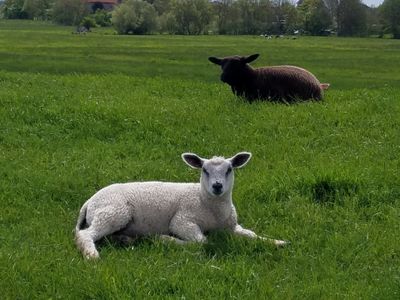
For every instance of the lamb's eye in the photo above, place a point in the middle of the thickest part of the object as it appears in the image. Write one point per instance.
(228, 171)
(205, 172)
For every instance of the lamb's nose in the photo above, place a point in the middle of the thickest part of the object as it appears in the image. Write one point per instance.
(217, 187)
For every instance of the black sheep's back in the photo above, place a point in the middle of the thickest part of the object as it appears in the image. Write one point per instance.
(284, 83)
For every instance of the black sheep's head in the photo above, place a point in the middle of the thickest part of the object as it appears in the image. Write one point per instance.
(233, 67)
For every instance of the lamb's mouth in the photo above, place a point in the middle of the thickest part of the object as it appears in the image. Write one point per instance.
(217, 192)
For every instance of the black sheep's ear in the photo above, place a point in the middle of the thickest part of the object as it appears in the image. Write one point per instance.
(215, 60)
(251, 58)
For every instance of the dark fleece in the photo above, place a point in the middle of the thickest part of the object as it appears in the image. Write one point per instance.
(276, 83)
(280, 83)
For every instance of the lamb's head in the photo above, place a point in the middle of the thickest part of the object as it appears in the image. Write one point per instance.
(217, 172)
(233, 67)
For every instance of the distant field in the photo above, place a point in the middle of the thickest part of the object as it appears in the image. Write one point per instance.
(79, 112)
(347, 63)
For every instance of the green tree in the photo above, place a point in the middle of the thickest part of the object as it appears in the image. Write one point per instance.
(38, 9)
(332, 6)
(246, 16)
(374, 22)
(69, 12)
(315, 16)
(286, 17)
(351, 18)
(135, 16)
(166, 17)
(191, 16)
(162, 6)
(249, 21)
(167, 23)
(13, 9)
(390, 10)
(227, 17)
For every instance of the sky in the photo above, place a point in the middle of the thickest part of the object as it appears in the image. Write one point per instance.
(372, 2)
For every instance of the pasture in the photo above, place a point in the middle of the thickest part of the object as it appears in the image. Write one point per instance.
(79, 112)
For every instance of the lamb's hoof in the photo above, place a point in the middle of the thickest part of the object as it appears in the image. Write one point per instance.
(280, 243)
(167, 238)
(91, 255)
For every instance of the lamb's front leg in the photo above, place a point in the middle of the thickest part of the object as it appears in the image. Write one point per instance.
(187, 230)
(239, 230)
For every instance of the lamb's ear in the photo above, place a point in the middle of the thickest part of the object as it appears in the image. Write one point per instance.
(251, 58)
(193, 160)
(215, 60)
(240, 159)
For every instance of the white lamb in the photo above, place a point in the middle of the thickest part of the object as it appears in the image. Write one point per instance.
(181, 212)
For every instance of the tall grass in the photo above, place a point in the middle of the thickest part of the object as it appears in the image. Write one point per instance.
(80, 112)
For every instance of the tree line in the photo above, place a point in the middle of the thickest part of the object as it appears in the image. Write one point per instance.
(193, 17)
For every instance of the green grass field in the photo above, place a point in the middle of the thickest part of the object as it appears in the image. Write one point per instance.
(79, 112)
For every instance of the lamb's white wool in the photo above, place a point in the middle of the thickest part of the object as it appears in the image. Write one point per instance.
(184, 210)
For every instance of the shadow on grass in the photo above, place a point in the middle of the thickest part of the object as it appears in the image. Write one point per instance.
(220, 244)
(115, 243)
(330, 191)
(277, 101)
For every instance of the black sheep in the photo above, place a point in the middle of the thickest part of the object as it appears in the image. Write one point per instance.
(276, 83)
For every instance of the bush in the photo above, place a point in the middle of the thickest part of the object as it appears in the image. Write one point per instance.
(102, 18)
(88, 22)
(135, 16)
